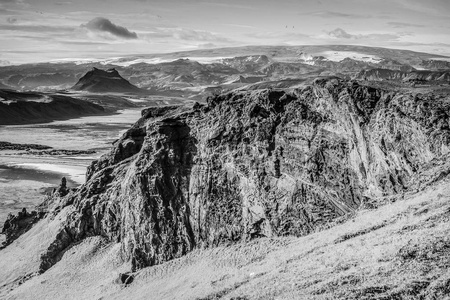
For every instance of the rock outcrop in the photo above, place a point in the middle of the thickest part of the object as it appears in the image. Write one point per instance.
(16, 225)
(252, 164)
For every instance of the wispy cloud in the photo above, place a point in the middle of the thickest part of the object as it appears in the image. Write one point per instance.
(183, 34)
(63, 3)
(10, 1)
(278, 35)
(207, 46)
(8, 12)
(239, 26)
(404, 25)
(196, 35)
(225, 4)
(36, 28)
(435, 7)
(334, 14)
(104, 25)
(13, 3)
(340, 33)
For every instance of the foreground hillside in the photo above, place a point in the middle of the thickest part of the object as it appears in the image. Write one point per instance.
(398, 251)
(260, 180)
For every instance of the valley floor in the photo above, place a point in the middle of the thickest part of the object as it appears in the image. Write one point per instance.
(398, 251)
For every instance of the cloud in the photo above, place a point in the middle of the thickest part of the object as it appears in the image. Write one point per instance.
(340, 33)
(207, 46)
(12, 2)
(105, 25)
(327, 14)
(333, 14)
(183, 34)
(277, 35)
(7, 12)
(196, 35)
(403, 25)
(240, 26)
(433, 8)
(223, 4)
(36, 28)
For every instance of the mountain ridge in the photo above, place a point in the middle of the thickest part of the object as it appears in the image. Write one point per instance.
(192, 74)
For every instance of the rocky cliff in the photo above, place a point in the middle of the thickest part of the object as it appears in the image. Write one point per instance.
(252, 164)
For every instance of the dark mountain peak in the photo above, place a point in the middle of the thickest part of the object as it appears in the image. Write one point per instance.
(104, 81)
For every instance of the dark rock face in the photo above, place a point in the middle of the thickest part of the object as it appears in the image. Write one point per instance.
(126, 278)
(62, 190)
(18, 224)
(252, 164)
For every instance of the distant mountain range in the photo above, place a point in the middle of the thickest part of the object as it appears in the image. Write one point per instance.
(196, 73)
(412, 76)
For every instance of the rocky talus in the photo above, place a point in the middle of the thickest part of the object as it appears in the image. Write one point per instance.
(253, 164)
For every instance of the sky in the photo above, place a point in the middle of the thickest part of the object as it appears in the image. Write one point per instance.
(46, 30)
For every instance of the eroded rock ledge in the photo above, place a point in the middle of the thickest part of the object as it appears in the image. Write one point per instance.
(252, 164)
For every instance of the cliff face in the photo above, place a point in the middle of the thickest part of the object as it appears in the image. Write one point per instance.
(252, 164)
